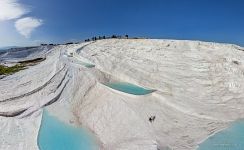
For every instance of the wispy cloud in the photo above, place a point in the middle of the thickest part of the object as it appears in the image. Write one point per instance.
(25, 26)
(11, 9)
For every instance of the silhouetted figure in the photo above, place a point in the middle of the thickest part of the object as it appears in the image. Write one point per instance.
(235, 62)
(126, 36)
(87, 40)
(114, 36)
(104, 37)
(95, 38)
(152, 118)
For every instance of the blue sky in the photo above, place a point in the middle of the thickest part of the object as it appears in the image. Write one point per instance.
(67, 20)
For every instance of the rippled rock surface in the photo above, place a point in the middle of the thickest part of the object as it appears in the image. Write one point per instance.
(197, 92)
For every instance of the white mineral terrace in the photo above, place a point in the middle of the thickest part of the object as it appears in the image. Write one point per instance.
(198, 92)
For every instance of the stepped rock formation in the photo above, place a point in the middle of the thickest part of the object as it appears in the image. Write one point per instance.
(198, 91)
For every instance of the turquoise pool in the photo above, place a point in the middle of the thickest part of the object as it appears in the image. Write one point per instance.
(88, 65)
(129, 88)
(231, 138)
(56, 135)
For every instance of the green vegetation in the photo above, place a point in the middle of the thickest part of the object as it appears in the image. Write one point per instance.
(5, 70)
(32, 61)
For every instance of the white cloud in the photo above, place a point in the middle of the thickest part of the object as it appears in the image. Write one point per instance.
(14, 10)
(11, 9)
(25, 26)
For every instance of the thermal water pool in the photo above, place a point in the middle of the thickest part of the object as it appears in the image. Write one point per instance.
(231, 138)
(56, 135)
(129, 88)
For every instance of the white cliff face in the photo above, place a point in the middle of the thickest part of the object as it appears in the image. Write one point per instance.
(199, 91)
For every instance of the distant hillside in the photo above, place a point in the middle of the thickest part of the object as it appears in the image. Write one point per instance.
(8, 47)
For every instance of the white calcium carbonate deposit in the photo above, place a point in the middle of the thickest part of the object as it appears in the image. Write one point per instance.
(198, 91)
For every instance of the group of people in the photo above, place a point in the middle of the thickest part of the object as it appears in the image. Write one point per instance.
(104, 37)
